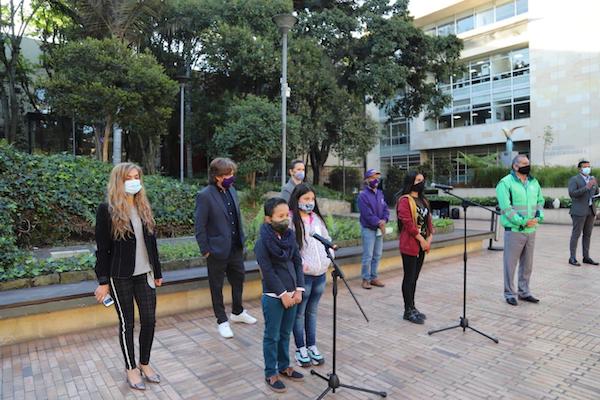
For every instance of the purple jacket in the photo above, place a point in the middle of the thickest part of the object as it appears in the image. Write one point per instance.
(373, 208)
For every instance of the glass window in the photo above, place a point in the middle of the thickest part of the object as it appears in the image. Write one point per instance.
(430, 32)
(484, 17)
(465, 24)
(446, 29)
(520, 59)
(502, 112)
(480, 71)
(445, 121)
(521, 110)
(430, 124)
(505, 11)
(521, 6)
(501, 66)
(482, 116)
(462, 119)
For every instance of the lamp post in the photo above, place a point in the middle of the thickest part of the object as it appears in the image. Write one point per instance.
(182, 81)
(284, 23)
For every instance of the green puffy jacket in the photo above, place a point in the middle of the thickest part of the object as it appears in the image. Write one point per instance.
(519, 202)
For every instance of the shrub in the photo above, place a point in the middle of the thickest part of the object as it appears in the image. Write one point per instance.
(488, 176)
(353, 179)
(394, 178)
(556, 176)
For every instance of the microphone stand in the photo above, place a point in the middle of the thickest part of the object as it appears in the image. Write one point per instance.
(463, 321)
(333, 381)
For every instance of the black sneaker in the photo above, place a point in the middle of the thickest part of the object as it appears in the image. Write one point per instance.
(275, 384)
(413, 316)
(292, 374)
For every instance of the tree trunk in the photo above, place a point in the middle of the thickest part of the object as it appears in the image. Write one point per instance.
(13, 111)
(106, 138)
(316, 165)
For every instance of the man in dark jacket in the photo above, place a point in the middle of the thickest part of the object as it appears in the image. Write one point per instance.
(220, 236)
(374, 214)
(582, 188)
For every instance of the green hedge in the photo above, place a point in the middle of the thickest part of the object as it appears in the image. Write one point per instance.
(555, 176)
(565, 202)
(54, 198)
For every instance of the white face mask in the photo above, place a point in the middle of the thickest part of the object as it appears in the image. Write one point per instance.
(133, 186)
(586, 170)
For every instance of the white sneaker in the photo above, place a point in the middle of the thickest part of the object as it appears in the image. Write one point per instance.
(243, 317)
(225, 330)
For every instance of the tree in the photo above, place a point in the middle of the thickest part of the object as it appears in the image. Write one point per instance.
(105, 82)
(251, 135)
(15, 17)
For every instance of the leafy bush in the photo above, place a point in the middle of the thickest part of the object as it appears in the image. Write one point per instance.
(556, 176)
(353, 179)
(54, 198)
(488, 177)
(394, 179)
(325, 192)
(442, 222)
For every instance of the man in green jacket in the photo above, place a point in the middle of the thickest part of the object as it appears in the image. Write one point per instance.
(522, 206)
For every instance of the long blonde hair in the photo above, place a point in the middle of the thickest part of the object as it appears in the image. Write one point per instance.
(118, 206)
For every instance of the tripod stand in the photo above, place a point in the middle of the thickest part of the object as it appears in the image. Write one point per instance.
(463, 321)
(332, 379)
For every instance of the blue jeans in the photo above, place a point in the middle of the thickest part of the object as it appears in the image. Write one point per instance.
(372, 249)
(278, 328)
(306, 318)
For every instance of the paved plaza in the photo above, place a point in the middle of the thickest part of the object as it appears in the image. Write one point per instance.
(549, 350)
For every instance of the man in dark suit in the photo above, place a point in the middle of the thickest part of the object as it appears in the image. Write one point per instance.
(582, 188)
(220, 236)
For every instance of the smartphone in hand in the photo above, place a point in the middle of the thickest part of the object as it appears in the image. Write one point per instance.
(108, 301)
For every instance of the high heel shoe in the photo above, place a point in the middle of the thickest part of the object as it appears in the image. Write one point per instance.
(152, 378)
(136, 386)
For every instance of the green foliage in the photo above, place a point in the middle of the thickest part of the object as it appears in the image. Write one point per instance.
(353, 179)
(178, 251)
(394, 179)
(442, 222)
(53, 199)
(327, 193)
(488, 177)
(253, 228)
(252, 135)
(555, 176)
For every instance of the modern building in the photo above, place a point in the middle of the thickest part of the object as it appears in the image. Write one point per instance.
(532, 66)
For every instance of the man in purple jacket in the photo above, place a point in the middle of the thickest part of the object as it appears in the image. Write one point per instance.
(374, 214)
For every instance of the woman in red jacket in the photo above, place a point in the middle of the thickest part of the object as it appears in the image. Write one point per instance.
(416, 233)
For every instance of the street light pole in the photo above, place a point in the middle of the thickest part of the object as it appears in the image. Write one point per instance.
(284, 23)
(181, 130)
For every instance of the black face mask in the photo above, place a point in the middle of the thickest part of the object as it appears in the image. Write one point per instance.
(525, 170)
(419, 187)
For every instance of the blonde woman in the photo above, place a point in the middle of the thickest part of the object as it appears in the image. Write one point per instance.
(127, 265)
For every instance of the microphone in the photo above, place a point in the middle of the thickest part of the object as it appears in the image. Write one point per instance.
(440, 186)
(324, 242)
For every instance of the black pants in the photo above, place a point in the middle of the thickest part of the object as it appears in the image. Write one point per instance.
(124, 291)
(412, 267)
(585, 225)
(233, 267)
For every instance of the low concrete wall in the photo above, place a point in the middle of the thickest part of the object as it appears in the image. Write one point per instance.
(491, 192)
(61, 317)
(558, 216)
(326, 206)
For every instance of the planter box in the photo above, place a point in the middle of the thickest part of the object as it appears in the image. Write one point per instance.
(77, 276)
(445, 229)
(44, 280)
(15, 284)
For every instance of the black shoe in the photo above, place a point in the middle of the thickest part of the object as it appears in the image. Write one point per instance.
(512, 301)
(423, 316)
(292, 374)
(275, 384)
(530, 299)
(587, 260)
(413, 316)
(574, 262)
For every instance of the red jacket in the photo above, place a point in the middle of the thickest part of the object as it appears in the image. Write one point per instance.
(409, 245)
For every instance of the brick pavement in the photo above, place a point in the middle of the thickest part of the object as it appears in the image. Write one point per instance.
(547, 351)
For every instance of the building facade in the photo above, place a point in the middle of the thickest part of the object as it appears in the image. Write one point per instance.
(532, 66)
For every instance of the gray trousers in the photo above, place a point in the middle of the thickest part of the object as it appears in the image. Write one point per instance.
(518, 248)
(585, 225)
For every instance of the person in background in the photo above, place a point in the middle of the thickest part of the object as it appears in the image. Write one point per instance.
(306, 221)
(374, 214)
(282, 278)
(582, 188)
(416, 235)
(127, 265)
(220, 236)
(297, 175)
(522, 207)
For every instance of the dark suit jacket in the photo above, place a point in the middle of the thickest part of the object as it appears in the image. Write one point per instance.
(213, 227)
(116, 258)
(580, 195)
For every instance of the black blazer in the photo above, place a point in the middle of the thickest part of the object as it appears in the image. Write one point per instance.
(116, 258)
(580, 195)
(278, 277)
(213, 227)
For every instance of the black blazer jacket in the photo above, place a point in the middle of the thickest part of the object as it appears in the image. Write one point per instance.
(213, 227)
(116, 258)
